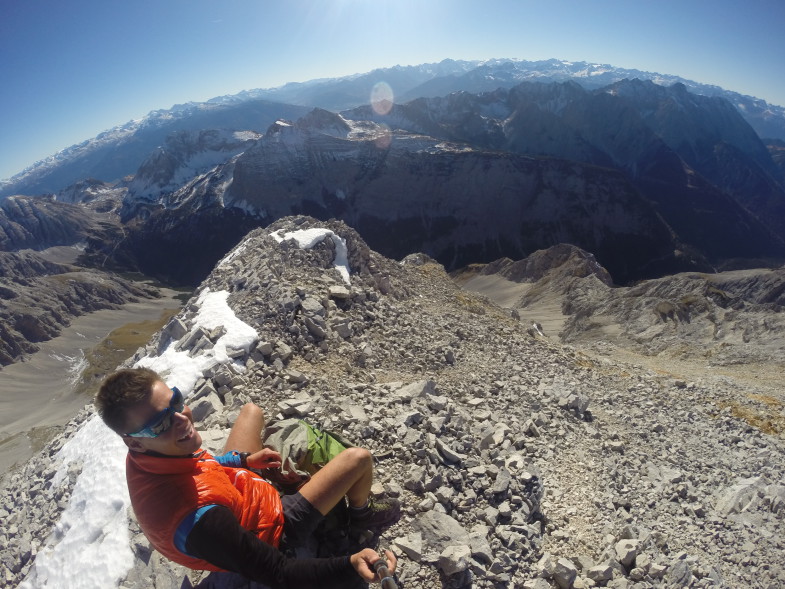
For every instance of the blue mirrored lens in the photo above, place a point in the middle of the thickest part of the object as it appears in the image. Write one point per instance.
(163, 420)
(178, 402)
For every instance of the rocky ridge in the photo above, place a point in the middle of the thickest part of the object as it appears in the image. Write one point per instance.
(649, 480)
(722, 319)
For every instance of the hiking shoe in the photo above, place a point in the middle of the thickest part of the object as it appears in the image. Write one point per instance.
(379, 514)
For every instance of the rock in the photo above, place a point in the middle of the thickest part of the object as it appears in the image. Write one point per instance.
(206, 406)
(740, 497)
(411, 545)
(600, 573)
(496, 436)
(564, 573)
(439, 531)
(415, 390)
(415, 480)
(357, 414)
(578, 403)
(343, 327)
(502, 482)
(264, 348)
(481, 548)
(175, 329)
(679, 574)
(317, 328)
(339, 292)
(626, 551)
(546, 566)
(536, 584)
(449, 455)
(283, 351)
(454, 559)
(657, 571)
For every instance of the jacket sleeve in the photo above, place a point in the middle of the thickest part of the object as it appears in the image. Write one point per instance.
(219, 539)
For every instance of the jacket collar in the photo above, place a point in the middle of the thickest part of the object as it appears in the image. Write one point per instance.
(160, 464)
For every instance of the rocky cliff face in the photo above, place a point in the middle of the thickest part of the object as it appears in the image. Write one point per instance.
(409, 193)
(685, 152)
(38, 223)
(184, 156)
(651, 180)
(83, 211)
(723, 319)
(118, 152)
(520, 462)
(453, 177)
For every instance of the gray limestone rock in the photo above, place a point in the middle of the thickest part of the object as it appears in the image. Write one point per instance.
(454, 559)
(440, 530)
(627, 551)
(479, 451)
(206, 406)
(564, 573)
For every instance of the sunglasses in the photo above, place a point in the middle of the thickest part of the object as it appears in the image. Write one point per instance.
(162, 421)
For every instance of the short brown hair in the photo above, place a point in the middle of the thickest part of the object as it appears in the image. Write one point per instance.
(121, 391)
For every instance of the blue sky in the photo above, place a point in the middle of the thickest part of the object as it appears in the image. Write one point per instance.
(69, 70)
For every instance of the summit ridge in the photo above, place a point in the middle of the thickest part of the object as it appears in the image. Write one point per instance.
(520, 461)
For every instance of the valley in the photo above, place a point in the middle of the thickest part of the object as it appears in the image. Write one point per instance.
(43, 392)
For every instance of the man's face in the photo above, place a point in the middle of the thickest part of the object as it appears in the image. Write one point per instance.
(180, 439)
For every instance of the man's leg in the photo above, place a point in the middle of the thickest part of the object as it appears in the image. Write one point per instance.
(246, 433)
(349, 474)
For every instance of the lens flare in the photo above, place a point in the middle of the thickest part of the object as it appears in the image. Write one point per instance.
(381, 98)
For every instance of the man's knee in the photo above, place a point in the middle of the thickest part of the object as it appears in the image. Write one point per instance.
(251, 411)
(359, 457)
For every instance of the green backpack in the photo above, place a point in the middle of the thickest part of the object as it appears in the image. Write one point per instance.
(304, 449)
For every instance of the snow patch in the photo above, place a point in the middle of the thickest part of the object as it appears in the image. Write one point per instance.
(308, 238)
(89, 547)
(182, 370)
(246, 135)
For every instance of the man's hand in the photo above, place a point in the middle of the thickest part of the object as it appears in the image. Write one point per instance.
(265, 458)
(363, 563)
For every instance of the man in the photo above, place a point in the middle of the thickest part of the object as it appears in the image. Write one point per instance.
(211, 513)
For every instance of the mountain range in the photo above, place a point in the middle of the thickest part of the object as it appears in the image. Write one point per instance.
(480, 162)
(118, 152)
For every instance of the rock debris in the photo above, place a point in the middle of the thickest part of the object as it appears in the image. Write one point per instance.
(521, 462)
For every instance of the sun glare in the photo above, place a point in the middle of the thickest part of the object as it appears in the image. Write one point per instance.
(381, 98)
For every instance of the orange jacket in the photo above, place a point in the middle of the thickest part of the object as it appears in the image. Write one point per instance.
(165, 490)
